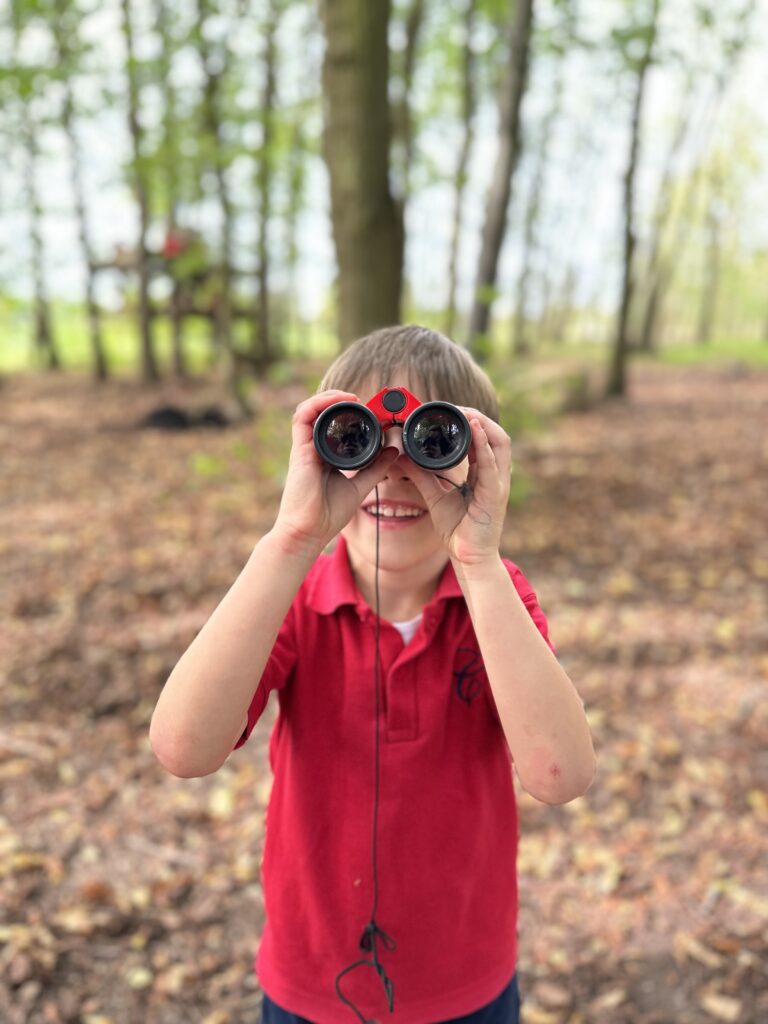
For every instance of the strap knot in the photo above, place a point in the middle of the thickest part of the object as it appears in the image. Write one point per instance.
(368, 938)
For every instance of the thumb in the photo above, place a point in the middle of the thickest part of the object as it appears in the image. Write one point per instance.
(427, 484)
(366, 479)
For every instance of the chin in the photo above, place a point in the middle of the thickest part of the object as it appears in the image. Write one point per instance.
(398, 548)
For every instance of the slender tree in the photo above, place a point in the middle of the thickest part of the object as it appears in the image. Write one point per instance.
(654, 270)
(44, 339)
(468, 105)
(520, 332)
(263, 342)
(296, 170)
(213, 57)
(19, 103)
(64, 25)
(712, 261)
(403, 128)
(367, 224)
(507, 157)
(645, 32)
(664, 259)
(168, 160)
(148, 358)
(554, 43)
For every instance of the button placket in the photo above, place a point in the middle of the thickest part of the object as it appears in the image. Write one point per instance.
(402, 681)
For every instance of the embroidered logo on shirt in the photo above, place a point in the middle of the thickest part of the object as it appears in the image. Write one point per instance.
(470, 674)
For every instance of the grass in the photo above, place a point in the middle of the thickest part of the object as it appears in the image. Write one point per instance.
(315, 340)
(121, 340)
(749, 352)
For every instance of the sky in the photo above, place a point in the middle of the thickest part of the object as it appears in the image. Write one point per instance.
(582, 219)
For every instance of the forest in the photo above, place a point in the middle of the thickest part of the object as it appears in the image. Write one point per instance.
(201, 205)
(188, 186)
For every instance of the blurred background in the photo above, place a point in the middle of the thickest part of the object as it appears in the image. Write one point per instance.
(175, 175)
(201, 204)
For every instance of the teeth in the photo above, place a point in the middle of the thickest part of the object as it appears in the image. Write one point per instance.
(399, 513)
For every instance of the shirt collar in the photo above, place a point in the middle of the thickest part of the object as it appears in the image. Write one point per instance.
(332, 583)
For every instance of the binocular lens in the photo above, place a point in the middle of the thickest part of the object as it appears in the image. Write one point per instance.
(438, 437)
(348, 436)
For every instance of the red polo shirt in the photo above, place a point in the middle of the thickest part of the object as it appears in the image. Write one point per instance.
(447, 818)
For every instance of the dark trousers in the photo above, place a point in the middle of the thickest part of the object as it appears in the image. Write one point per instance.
(505, 1009)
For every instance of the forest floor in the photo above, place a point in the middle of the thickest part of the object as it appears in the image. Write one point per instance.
(128, 896)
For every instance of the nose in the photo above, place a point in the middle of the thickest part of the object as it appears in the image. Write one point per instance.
(394, 438)
(400, 467)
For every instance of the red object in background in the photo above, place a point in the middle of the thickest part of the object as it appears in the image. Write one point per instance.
(174, 245)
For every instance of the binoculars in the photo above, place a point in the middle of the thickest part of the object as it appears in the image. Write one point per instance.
(349, 435)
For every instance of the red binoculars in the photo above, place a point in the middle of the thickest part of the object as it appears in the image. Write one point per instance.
(349, 435)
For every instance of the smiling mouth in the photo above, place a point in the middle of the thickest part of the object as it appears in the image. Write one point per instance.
(391, 513)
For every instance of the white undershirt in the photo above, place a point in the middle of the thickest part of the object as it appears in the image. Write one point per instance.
(407, 629)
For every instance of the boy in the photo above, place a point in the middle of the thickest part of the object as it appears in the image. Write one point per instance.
(468, 684)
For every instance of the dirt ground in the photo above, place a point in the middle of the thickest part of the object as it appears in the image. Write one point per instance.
(128, 895)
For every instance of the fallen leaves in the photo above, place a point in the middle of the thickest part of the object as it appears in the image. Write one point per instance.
(136, 896)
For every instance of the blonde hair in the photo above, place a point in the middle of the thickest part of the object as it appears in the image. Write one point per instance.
(447, 371)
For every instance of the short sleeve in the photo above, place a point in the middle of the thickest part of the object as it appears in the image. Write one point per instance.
(526, 592)
(277, 673)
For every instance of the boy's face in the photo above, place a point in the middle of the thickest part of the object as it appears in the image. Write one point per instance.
(406, 534)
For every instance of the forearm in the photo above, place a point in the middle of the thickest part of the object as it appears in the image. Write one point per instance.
(202, 706)
(541, 713)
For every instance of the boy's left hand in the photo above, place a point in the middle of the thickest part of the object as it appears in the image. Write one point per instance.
(470, 520)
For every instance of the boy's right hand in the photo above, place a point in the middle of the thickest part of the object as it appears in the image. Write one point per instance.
(319, 500)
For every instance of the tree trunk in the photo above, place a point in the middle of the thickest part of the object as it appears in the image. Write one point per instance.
(469, 102)
(520, 339)
(262, 342)
(213, 67)
(501, 184)
(148, 359)
(170, 156)
(402, 120)
(660, 222)
(668, 265)
(367, 225)
(648, 329)
(617, 376)
(711, 283)
(564, 305)
(43, 333)
(64, 29)
(296, 171)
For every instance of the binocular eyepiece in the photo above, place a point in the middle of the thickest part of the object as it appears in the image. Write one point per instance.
(349, 435)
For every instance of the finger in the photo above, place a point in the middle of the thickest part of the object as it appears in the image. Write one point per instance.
(307, 412)
(485, 458)
(366, 479)
(429, 486)
(496, 433)
(498, 439)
